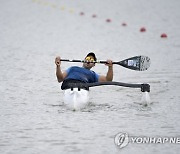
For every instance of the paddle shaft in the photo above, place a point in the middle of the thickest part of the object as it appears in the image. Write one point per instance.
(83, 61)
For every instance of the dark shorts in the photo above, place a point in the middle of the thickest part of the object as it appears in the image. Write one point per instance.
(71, 83)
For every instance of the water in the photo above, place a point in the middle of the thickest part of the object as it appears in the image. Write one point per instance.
(32, 116)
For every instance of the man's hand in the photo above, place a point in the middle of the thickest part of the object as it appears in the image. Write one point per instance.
(58, 61)
(109, 63)
(109, 75)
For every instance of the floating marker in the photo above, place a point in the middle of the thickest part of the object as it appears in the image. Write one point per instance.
(71, 10)
(108, 20)
(62, 7)
(81, 13)
(163, 35)
(94, 15)
(124, 24)
(143, 29)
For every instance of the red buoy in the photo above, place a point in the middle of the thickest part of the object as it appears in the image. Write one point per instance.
(124, 24)
(81, 13)
(163, 35)
(94, 15)
(108, 20)
(143, 29)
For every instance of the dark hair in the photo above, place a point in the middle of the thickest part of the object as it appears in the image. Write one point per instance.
(92, 54)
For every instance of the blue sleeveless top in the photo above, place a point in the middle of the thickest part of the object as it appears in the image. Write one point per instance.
(81, 74)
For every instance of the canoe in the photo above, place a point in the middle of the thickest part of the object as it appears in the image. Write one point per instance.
(76, 99)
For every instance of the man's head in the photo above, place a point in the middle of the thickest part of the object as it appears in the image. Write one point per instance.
(90, 58)
(91, 54)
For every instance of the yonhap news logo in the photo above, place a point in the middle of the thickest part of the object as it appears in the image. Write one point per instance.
(123, 139)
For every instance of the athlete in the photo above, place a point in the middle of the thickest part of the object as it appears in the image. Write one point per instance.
(82, 74)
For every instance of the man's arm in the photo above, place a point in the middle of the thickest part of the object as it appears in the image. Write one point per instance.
(60, 76)
(109, 75)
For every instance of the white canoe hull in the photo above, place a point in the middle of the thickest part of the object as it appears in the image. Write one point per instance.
(75, 99)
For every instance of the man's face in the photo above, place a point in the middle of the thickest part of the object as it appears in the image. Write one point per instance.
(89, 62)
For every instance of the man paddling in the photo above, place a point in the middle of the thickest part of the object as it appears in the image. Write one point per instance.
(82, 74)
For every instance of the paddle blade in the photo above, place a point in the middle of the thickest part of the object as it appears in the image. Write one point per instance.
(138, 63)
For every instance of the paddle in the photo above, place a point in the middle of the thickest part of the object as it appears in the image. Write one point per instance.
(138, 63)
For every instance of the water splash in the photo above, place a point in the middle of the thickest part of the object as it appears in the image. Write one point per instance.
(145, 100)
